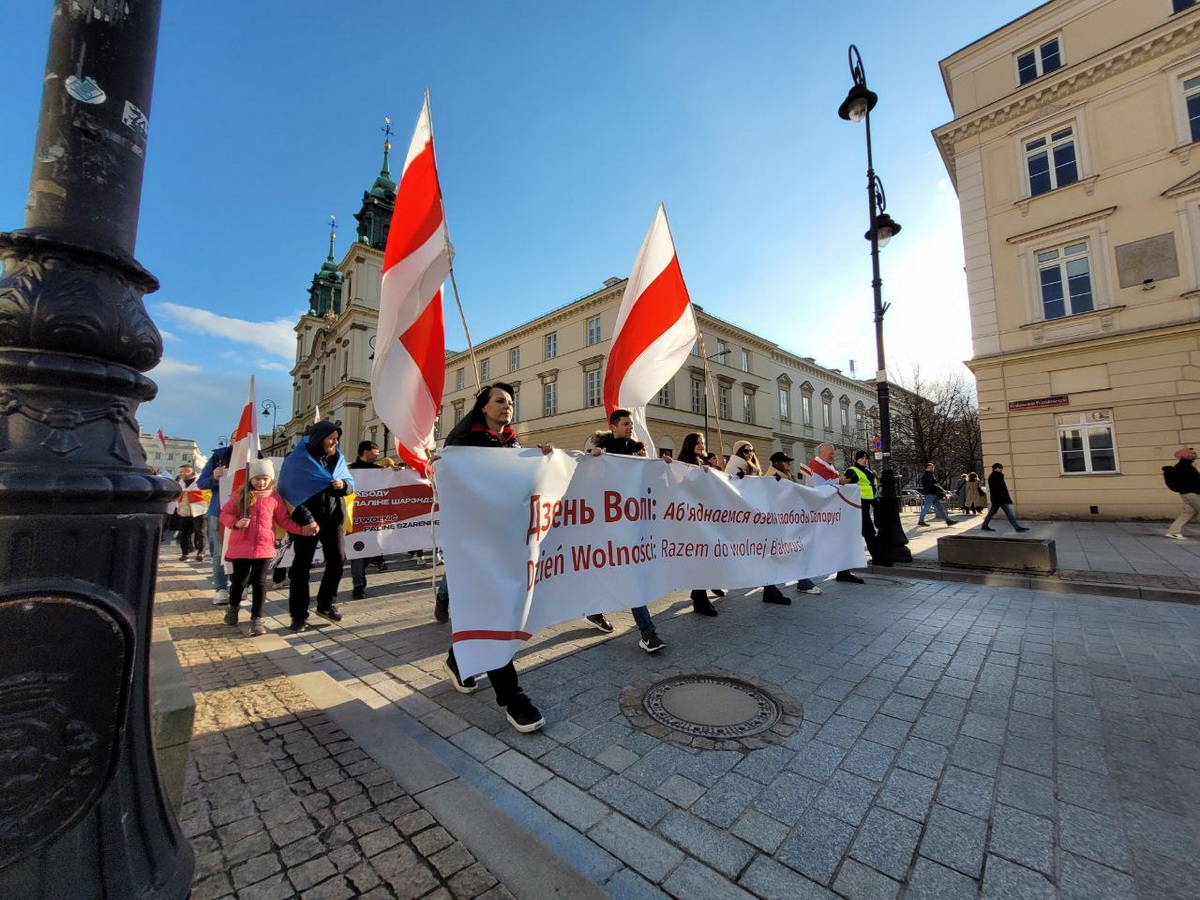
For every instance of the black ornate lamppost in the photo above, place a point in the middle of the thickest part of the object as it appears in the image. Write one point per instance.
(82, 811)
(270, 406)
(892, 542)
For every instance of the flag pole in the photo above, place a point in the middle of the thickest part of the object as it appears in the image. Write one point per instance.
(708, 385)
(453, 283)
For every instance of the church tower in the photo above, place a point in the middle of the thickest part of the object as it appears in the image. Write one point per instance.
(325, 294)
(375, 217)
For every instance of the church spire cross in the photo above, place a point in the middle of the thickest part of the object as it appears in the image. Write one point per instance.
(387, 146)
(332, 234)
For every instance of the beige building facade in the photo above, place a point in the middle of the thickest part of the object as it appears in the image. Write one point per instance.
(1071, 150)
(757, 390)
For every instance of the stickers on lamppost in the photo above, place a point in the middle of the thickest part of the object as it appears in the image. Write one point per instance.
(85, 90)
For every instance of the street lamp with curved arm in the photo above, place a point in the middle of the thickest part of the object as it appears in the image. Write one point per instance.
(270, 406)
(892, 544)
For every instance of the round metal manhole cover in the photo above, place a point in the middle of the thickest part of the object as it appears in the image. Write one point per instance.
(711, 710)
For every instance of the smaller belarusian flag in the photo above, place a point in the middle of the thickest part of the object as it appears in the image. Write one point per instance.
(161, 438)
(316, 414)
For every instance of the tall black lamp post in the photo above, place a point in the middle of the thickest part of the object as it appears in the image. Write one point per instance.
(82, 811)
(893, 543)
(270, 406)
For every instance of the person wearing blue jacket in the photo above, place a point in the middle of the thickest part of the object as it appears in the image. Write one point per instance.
(210, 477)
(313, 480)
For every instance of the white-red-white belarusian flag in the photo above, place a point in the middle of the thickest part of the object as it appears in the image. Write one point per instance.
(161, 439)
(316, 414)
(410, 356)
(244, 448)
(655, 329)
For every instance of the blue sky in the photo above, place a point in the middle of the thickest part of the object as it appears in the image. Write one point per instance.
(559, 128)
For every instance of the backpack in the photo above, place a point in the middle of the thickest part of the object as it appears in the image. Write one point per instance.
(1171, 478)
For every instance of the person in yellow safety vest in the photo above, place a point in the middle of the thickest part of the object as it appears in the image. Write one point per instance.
(868, 483)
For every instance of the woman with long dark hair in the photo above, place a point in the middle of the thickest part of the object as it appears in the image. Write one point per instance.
(692, 452)
(488, 425)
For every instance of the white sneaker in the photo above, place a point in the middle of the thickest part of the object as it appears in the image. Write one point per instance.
(1176, 536)
(220, 598)
(811, 590)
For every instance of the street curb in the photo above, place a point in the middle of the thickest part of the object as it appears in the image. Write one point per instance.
(510, 851)
(1041, 583)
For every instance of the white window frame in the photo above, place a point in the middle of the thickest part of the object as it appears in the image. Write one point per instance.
(516, 395)
(1048, 135)
(514, 359)
(550, 398)
(785, 405)
(1063, 255)
(1039, 62)
(1092, 420)
(697, 395)
(806, 416)
(593, 330)
(592, 388)
(845, 419)
(551, 345)
(748, 407)
(485, 370)
(1094, 231)
(664, 395)
(745, 360)
(724, 400)
(722, 352)
(827, 414)
(460, 379)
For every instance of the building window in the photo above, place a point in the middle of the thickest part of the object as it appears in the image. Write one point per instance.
(1087, 445)
(1181, 5)
(827, 415)
(460, 379)
(1191, 97)
(1050, 161)
(593, 330)
(748, 408)
(664, 395)
(550, 398)
(485, 371)
(1038, 61)
(516, 404)
(514, 359)
(697, 396)
(806, 408)
(1065, 281)
(458, 413)
(552, 345)
(723, 403)
(845, 420)
(722, 352)
(745, 360)
(785, 411)
(592, 381)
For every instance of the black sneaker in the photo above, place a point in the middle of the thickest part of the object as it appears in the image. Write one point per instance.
(298, 626)
(986, 528)
(922, 524)
(651, 643)
(441, 607)
(701, 604)
(772, 594)
(598, 621)
(719, 592)
(1021, 528)
(330, 612)
(231, 616)
(462, 685)
(524, 716)
(849, 577)
(358, 594)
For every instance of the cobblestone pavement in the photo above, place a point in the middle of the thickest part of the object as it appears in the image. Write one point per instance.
(958, 741)
(279, 803)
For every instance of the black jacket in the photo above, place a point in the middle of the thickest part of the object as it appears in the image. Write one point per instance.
(1187, 476)
(997, 490)
(929, 485)
(480, 436)
(326, 507)
(620, 446)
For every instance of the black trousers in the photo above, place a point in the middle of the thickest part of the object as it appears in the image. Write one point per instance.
(191, 534)
(870, 532)
(504, 680)
(333, 543)
(255, 572)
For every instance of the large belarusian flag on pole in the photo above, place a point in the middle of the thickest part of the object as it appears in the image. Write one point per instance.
(655, 329)
(244, 448)
(410, 357)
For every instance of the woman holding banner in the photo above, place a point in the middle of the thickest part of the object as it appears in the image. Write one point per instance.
(487, 425)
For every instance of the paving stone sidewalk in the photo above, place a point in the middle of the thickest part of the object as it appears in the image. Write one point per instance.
(958, 741)
(279, 802)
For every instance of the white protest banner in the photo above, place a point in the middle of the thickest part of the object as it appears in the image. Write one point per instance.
(531, 540)
(393, 512)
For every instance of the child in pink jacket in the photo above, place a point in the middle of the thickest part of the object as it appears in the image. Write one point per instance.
(252, 540)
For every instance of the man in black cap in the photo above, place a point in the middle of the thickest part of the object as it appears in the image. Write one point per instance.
(868, 483)
(781, 468)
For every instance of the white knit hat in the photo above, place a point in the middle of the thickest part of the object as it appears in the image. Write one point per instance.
(262, 467)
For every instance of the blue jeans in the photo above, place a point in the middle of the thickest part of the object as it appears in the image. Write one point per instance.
(641, 616)
(1008, 511)
(934, 502)
(358, 573)
(220, 579)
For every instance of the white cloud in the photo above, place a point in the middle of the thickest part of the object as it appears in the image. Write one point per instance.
(275, 367)
(169, 367)
(275, 337)
(168, 336)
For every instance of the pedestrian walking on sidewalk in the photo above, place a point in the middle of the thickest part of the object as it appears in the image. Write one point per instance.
(210, 480)
(251, 519)
(934, 493)
(693, 452)
(1184, 480)
(368, 452)
(973, 494)
(1001, 499)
